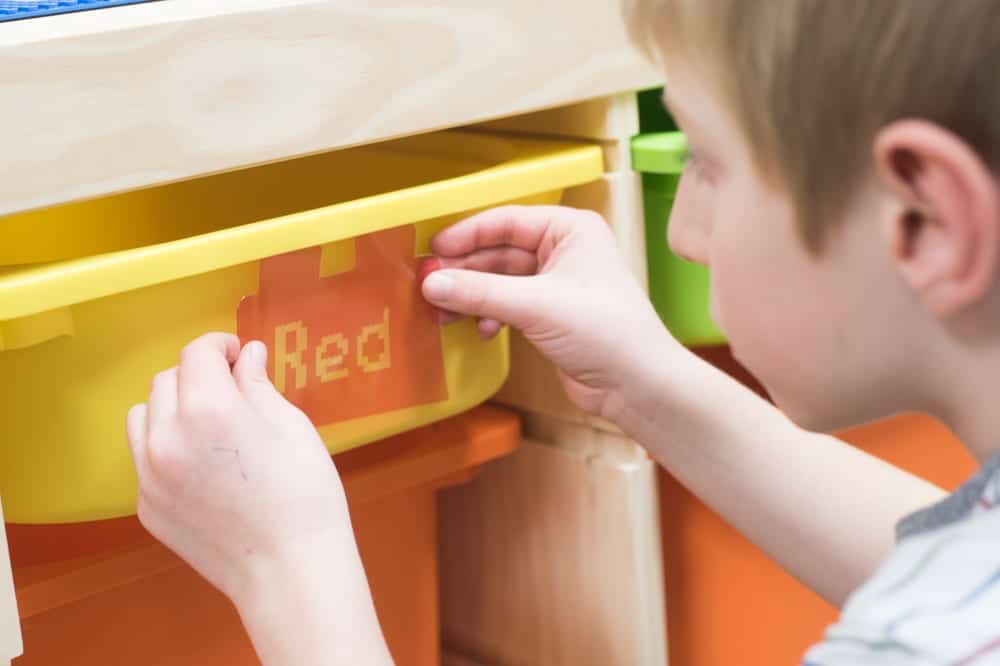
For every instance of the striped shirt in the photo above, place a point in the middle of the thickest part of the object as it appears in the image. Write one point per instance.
(936, 600)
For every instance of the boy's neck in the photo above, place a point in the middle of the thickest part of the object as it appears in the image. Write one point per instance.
(965, 394)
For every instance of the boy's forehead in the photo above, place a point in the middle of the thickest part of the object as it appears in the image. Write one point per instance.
(701, 113)
(681, 90)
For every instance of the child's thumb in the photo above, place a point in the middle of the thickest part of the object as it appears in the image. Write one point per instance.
(506, 298)
(250, 372)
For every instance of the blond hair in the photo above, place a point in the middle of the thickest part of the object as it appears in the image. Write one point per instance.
(810, 82)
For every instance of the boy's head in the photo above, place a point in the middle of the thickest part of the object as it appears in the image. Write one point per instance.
(843, 187)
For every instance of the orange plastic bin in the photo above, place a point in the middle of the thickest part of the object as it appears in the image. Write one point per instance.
(139, 604)
(727, 602)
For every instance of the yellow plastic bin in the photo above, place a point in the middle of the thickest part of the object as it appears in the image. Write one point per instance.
(80, 339)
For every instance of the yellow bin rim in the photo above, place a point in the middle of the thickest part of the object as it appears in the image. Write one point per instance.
(527, 166)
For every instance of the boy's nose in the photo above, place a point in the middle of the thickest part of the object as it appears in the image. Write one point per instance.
(686, 243)
(688, 229)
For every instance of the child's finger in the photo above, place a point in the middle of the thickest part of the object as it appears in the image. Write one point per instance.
(426, 267)
(205, 374)
(162, 403)
(505, 260)
(135, 430)
(501, 297)
(251, 377)
(522, 227)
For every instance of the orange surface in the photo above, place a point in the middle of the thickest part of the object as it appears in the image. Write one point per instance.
(354, 344)
(141, 605)
(727, 603)
(37, 544)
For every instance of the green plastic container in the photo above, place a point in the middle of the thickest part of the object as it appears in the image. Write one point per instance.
(653, 117)
(678, 288)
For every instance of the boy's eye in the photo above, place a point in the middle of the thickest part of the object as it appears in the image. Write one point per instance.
(691, 160)
(689, 157)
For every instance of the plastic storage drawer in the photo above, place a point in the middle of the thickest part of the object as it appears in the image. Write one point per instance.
(316, 256)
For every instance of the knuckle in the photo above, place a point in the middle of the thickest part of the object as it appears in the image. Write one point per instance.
(165, 456)
(134, 411)
(595, 220)
(190, 351)
(196, 349)
(135, 424)
(509, 210)
(161, 378)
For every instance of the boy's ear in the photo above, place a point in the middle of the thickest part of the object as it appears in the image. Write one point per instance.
(942, 220)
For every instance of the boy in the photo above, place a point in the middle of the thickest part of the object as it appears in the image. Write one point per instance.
(842, 187)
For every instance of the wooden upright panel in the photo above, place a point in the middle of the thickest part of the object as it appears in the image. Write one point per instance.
(551, 558)
(11, 642)
(612, 121)
(105, 101)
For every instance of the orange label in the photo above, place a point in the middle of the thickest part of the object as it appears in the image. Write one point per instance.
(353, 344)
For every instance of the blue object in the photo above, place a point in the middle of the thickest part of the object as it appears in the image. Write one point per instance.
(12, 10)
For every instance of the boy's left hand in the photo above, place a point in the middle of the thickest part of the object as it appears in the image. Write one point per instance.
(237, 481)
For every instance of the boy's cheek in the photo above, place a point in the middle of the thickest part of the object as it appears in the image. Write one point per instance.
(781, 346)
(751, 306)
(727, 302)
(735, 299)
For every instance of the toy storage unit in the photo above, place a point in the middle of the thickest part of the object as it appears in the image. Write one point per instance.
(162, 95)
(318, 257)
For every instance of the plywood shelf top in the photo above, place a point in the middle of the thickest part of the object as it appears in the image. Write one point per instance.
(109, 100)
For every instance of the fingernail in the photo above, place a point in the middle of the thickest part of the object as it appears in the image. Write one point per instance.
(427, 266)
(258, 353)
(438, 287)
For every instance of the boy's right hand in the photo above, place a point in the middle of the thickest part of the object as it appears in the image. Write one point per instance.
(555, 274)
(236, 480)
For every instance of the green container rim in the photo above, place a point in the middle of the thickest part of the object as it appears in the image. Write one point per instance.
(659, 152)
